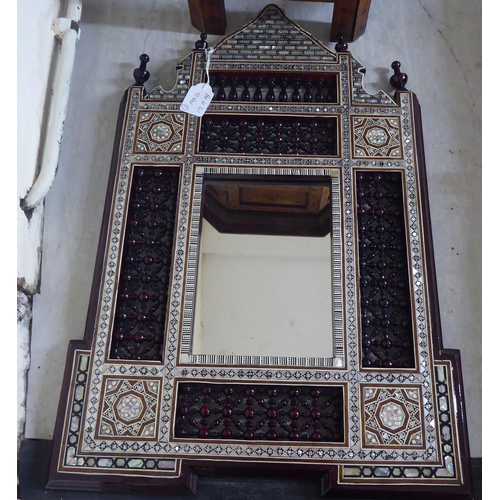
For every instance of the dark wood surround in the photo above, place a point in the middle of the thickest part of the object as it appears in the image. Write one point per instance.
(208, 16)
(354, 138)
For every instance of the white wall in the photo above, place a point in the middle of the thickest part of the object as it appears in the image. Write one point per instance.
(36, 49)
(36, 46)
(264, 295)
(438, 45)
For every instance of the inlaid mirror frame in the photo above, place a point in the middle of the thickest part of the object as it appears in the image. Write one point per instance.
(241, 360)
(121, 422)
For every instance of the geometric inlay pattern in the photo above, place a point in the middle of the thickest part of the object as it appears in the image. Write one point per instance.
(359, 94)
(130, 408)
(138, 331)
(271, 37)
(387, 332)
(260, 412)
(159, 132)
(392, 416)
(376, 137)
(268, 135)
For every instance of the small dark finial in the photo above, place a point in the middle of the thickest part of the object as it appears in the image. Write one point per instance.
(341, 45)
(141, 74)
(202, 42)
(398, 80)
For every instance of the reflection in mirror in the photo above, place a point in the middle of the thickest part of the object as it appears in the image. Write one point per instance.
(264, 281)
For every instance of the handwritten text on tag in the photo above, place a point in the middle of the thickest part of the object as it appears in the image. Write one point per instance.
(197, 99)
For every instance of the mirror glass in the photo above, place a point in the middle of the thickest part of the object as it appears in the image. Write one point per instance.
(264, 281)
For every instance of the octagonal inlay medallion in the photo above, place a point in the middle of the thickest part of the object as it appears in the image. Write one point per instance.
(393, 416)
(129, 407)
(376, 136)
(160, 132)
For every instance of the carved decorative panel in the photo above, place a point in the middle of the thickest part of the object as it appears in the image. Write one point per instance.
(294, 158)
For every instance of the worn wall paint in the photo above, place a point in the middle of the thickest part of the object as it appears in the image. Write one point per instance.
(35, 56)
(24, 315)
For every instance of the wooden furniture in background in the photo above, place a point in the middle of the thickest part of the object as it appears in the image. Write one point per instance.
(349, 17)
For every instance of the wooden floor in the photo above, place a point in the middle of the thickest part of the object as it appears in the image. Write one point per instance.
(34, 460)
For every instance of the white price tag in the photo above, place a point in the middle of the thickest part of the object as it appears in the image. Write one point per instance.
(197, 99)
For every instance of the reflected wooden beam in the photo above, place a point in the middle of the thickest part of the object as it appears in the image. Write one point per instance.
(208, 16)
(300, 208)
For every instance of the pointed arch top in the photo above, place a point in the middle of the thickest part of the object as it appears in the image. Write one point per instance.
(272, 36)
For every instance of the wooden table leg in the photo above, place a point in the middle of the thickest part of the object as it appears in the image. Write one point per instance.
(208, 16)
(349, 19)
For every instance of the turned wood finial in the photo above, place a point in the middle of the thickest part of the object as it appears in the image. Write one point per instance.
(398, 80)
(141, 74)
(202, 42)
(341, 46)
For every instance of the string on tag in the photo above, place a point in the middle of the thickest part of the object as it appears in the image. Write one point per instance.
(208, 52)
(199, 96)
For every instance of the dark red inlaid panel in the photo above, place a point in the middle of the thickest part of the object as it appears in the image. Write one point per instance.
(145, 268)
(387, 331)
(256, 412)
(269, 135)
